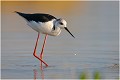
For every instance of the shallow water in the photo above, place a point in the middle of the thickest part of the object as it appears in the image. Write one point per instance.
(95, 47)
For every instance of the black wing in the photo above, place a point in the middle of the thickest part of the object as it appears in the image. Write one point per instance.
(38, 17)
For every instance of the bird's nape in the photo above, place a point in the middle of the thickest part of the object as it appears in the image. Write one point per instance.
(69, 32)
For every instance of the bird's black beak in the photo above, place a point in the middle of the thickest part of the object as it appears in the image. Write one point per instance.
(68, 31)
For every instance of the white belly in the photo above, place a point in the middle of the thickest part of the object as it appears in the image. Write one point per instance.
(45, 28)
(41, 27)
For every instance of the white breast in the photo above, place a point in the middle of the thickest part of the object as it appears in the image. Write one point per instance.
(55, 32)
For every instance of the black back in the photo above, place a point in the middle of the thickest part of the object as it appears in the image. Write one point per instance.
(38, 17)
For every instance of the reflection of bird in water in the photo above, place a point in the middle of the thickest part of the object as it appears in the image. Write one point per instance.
(36, 73)
(45, 24)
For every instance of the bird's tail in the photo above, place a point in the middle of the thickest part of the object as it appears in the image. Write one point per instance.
(19, 13)
(16, 11)
(24, 15)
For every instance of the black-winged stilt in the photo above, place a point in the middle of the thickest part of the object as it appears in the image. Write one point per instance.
(45, 24)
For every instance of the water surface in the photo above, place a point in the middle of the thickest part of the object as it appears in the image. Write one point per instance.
(95, 48)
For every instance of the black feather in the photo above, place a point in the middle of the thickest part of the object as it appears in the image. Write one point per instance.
(37, 17)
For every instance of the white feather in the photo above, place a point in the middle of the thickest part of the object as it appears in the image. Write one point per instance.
(45, 27)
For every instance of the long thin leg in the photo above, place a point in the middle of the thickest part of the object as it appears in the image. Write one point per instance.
(41, 54)
(34, 53)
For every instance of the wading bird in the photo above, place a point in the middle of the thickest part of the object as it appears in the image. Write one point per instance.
(45, 24)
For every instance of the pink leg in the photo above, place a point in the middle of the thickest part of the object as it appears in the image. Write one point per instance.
(41, 55)
(34, 53)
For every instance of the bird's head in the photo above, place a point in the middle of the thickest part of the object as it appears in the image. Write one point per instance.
(62, 24)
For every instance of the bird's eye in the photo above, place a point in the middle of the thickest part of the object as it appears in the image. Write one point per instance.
(61, 23)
